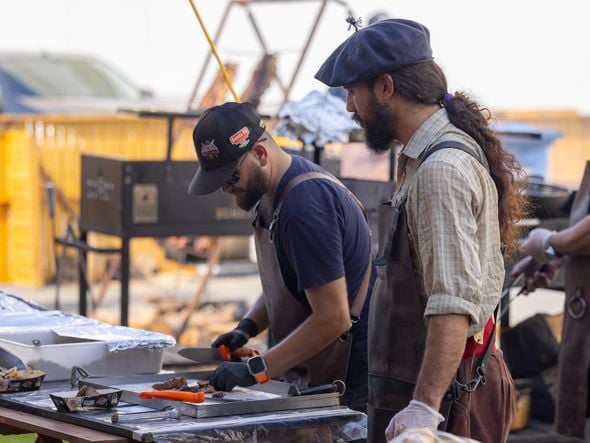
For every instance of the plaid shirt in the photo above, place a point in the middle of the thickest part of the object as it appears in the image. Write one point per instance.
(452, 211)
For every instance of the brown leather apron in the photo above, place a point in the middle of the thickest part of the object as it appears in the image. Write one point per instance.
(285, 313)
(396, 346)
(574, 352)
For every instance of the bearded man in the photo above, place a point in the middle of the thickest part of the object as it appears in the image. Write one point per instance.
(431, 323)
(313, 249)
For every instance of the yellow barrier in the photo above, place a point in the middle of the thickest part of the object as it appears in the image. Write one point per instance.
(36, 149)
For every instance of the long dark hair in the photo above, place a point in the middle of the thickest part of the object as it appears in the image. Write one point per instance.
(425, 83)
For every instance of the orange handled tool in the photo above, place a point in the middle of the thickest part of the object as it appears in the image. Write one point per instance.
(192, 397)
(242, 352)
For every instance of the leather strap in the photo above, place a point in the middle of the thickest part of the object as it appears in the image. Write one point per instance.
(297, 180)
(452, 145)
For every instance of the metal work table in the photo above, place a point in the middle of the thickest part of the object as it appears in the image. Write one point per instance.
(34, 412)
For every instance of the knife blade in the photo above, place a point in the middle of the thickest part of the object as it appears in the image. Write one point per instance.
(203, 354)
(215, 355)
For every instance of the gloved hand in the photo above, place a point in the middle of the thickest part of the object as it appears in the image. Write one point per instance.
(238, 337)
(231, 374)
(536, 243)
(415, 415)
(536, 275)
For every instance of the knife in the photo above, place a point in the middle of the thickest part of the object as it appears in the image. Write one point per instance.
(216, 355)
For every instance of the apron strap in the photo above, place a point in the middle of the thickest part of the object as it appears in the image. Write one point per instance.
(384, 259)
(297, 180)
(453, 145)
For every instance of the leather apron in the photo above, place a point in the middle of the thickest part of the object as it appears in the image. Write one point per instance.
(574, 352)
(396, 347)
(285, 314)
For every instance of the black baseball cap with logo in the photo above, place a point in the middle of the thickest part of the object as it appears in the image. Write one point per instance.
(222, 136)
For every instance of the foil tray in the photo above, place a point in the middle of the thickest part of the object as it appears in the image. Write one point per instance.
(270, 397)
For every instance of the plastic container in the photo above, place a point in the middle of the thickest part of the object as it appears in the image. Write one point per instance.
(56, 355)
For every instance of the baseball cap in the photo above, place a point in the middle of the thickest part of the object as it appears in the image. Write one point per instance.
(221, 137)
(377, 49)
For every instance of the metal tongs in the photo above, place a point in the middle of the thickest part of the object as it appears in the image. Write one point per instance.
(505, 299)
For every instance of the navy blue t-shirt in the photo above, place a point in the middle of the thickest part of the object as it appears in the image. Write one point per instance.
(321, 235)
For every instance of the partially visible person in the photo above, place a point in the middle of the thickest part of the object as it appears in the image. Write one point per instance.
(429, 436)
(313, 247)
(431, 320)
(548, 251)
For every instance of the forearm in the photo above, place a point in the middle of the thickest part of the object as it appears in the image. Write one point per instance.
(445, 344)
(311, 337)
(258, 314)
(574, 240)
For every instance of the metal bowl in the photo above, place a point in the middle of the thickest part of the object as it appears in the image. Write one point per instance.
(548, 201)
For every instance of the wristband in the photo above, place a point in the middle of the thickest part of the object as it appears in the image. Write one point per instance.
(248, 326)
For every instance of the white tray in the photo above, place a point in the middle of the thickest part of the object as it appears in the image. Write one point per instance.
(56, 355)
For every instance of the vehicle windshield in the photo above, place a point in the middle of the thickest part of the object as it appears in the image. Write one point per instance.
(66, 77)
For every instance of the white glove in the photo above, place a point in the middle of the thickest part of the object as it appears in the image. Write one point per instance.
(415, 415)
(536, 243)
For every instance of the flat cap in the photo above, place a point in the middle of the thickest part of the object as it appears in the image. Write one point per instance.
(379, 48)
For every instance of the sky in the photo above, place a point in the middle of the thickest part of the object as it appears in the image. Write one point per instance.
(509, 54)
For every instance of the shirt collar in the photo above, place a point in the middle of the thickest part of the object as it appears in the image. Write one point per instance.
(426, 134)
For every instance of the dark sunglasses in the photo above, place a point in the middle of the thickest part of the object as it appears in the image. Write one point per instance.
(235, 176)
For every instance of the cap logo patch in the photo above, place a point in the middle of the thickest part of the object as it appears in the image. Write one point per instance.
(209, 151)
(240, 138)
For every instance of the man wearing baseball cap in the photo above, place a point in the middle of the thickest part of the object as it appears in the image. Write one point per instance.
(313, 249)
(431, 323)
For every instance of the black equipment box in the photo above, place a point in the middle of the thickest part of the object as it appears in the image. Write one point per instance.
(130, 198)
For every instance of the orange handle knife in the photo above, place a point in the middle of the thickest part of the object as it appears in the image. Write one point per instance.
(192, 397)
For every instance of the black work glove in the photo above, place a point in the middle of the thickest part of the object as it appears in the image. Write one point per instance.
(231, 374)
(238, 337)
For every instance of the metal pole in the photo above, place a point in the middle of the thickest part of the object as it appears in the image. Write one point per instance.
(261, 40)
(82, 284)
(305, 48)
(125, 265)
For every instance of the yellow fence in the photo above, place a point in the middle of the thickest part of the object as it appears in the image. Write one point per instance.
(568, 154)
(34, 150)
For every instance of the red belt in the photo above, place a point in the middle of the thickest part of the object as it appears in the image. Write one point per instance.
(472, 348)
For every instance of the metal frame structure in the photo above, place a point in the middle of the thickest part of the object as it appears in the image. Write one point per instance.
(286, 88)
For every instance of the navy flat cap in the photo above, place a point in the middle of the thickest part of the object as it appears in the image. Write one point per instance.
(379, 48)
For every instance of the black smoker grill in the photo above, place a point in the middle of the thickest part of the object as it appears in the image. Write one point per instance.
(149, 199)
(130, 199)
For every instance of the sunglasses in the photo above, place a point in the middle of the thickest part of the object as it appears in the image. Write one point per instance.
(235, 176)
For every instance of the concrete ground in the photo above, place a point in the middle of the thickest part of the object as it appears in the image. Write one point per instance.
(233, 281)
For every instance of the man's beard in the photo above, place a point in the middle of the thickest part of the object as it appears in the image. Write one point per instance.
(257, 185)
(379, 127)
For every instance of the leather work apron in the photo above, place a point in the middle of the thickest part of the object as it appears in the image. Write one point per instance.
(285, 313)
(396, 347)
(574, 352)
